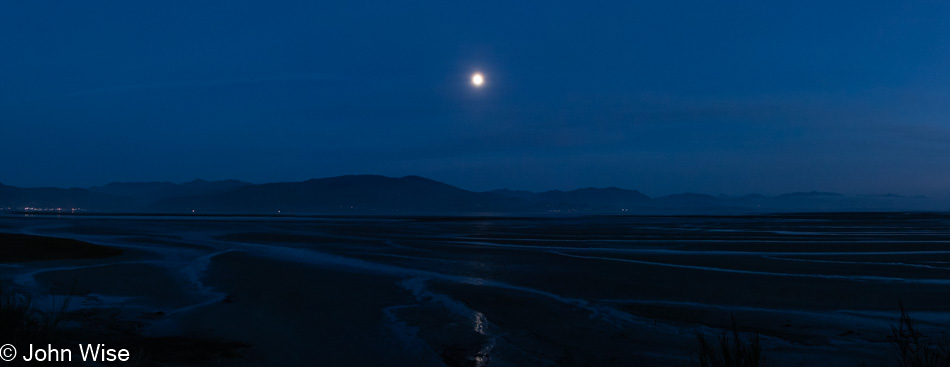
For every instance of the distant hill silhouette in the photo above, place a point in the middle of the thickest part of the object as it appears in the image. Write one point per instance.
(590, 198)
(692, 201)
(146, 193)
(809, 194)
(357, 193)
(372, 194)
(65, 199)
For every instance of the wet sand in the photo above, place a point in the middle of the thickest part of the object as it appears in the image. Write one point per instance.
(821, 289)
(296, 314)
(16, 248)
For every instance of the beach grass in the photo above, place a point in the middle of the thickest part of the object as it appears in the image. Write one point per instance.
(730, 349)
(917, 349)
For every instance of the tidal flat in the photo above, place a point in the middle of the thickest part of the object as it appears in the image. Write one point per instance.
(820, 289)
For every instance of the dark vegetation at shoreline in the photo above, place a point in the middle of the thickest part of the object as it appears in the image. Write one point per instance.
(913, 348)
(918, 349)
(23, 322)
(730, 349)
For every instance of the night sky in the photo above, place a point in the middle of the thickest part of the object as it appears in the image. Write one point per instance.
(729, 97)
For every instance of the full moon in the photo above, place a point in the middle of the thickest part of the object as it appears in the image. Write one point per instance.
(478, 79)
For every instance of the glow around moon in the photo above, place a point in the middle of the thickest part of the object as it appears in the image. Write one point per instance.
(478, 79)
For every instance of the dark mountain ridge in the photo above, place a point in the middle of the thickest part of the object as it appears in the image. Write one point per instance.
(71, 199)
(146, 193)
(589, 198)
(373, 194)
(354, 193)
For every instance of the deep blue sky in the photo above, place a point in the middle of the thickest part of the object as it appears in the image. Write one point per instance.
(664, 96)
